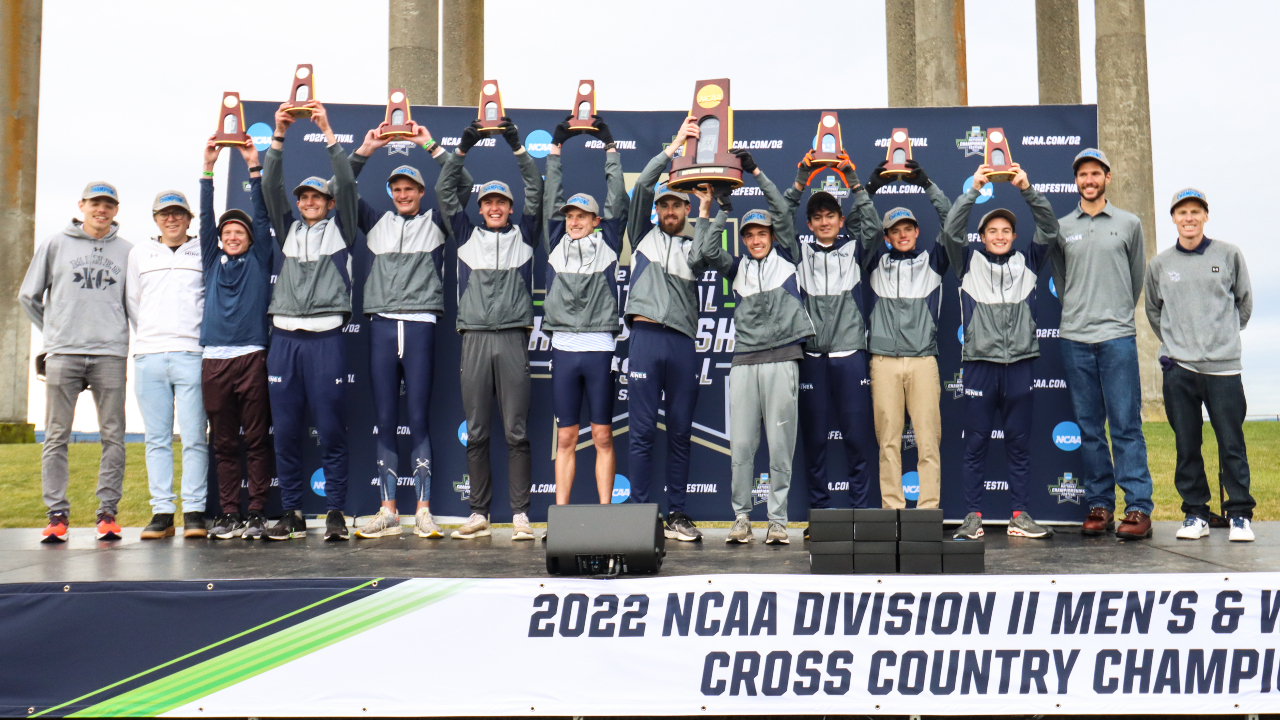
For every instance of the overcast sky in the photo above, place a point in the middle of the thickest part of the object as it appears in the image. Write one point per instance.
(138, 113)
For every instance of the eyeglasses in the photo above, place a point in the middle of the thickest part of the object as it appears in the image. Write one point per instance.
(172, 213)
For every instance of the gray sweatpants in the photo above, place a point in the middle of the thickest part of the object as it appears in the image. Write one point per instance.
(66, 376)
(496, 362)
(763, 393)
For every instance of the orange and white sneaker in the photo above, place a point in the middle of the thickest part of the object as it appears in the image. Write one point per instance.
(56, 532)
(108, 529)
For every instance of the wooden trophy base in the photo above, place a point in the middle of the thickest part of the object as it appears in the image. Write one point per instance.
(897, 172)
(1000, 176)
(226, 142)
(298, 111)
(577, 125)
(385, 130)
(717, 176)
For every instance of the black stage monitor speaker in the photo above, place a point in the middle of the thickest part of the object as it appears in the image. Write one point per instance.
(604, 539)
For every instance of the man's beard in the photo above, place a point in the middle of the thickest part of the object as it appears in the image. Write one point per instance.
(670, 227)
(1102, 194)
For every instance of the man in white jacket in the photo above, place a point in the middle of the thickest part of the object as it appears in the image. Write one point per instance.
(165, 294)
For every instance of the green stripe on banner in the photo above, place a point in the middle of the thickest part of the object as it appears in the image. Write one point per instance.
(240, 664)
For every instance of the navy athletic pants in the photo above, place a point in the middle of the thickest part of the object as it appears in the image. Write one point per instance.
(402, 351)
(994, 390)
(308, 369)
(839, 387)
(662, 372)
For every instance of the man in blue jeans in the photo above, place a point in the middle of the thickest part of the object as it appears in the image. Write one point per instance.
(1099, 265)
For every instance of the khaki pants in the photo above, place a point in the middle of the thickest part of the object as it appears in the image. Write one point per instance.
(910, 384)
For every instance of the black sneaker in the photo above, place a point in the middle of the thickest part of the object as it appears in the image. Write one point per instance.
(291, 526)
(228, 526)
(193, 525)
(680, 527)
(255, 527)
(335, 526)
(161, 526)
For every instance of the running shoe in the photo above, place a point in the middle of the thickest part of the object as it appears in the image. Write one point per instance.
(970, 529)
(56, 531)
(108, 528)
(777, 534)
(256, 526)
(228, 526)
(680, 527)
(335, 526)
(741, 530)
(424, 526)
(381, 525)
(1026, 526)
(291, 526)
(520, 527)
(476, 526)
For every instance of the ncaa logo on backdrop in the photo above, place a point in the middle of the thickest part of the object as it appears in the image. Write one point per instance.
(1066, 435)
(260, 134)
(317, 482)
(621, 489)
(462, 433)
(911, 485)
(987, 192)
(538, 143)
(1053, 289)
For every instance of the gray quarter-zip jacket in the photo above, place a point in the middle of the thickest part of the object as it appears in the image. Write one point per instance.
(315, 279)
(1198, 301)
(582, 285)
(495, 267)
(908, 288)
(1098, 265)
(998, 292)
(407, 272)
(74, 292)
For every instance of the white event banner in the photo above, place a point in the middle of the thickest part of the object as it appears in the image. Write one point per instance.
(779, 644)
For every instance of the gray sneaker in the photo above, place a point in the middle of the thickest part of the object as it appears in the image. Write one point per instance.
(520, 527)
(777, 534)
(741, 530)
(1026, 526)
(424, 526)
(384, 524)
(971, 528)
(476, 526)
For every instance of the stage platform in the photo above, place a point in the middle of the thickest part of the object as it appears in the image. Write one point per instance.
(23, 559)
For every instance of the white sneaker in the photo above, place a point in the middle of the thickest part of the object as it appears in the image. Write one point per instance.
(520, 527)
(476, 526)
(424, 526)
(1240, 530)
(1194, 528)
(384, 524)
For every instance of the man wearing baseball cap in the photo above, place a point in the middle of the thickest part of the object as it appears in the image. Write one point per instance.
(74, 292)
(662, 315)
(495, 316)
(998, 314)
(403, 299)
(1198, 300)
(835, 387)
(583, 243)
(310, 302)
(235, 333)
(1099, 259)
(906, 277)
(166, 304)
(770, 328)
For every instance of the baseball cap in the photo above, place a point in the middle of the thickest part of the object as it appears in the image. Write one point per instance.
(756, 217)
(495, 187)
(820, 198)
(1188, 194)
(581, 201)
(236, 216)
(1091, 154)
(407, 171)
(897, 215)
(313, 183)
(170, 198)
(999, 213)
(665, 190)
(99, 189)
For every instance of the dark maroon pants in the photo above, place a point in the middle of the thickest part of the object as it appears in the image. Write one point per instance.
(235, 399)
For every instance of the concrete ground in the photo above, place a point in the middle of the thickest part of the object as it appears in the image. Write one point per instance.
(84, 559)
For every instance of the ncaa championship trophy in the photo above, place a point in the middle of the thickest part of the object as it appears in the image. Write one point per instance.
(706, 159)
(898, 154)
(302, 92)
(231, 122)
(828, 148)
(584, 107)
(490, 112)
(997, 156)
(397, 122)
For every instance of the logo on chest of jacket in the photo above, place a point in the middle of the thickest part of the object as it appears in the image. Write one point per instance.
(1174, 275)
(1215, 268)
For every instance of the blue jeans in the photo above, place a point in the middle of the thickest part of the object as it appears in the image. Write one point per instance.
(160, 379)
(1106, 388)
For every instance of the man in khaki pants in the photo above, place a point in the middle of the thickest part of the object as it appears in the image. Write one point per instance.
(907, 280)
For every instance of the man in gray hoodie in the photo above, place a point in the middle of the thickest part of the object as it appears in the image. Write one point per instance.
(74, 292)
(1198, 300)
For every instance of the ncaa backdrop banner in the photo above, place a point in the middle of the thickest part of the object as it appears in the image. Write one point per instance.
(711, 645)
(948, 143)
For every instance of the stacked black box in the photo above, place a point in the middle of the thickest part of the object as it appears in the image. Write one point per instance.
(963, 556)
(831, 541)
(920, 541)
(875, 540)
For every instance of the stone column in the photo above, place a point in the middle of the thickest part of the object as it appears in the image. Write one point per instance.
(1058, 51)
(462, 52)
(900, 45)
(413, 58)
(1124, 133)
(19, 111)
(941, 67)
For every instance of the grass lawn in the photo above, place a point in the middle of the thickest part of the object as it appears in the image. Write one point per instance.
(20, 504)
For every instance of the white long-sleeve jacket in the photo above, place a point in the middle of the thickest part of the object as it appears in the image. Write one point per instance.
(165, 296)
